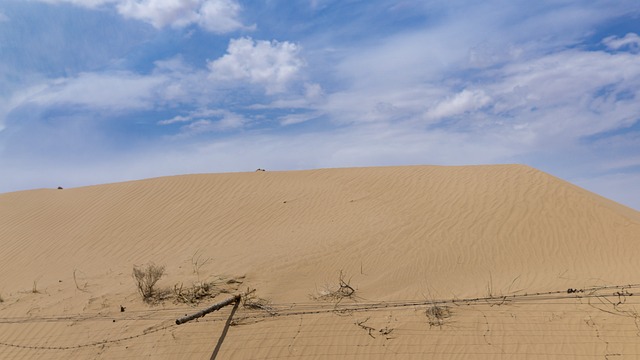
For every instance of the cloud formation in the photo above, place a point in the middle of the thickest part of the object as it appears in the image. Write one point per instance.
(218, 16)
(630, 41)
(271, 64)
(83, 3)
(460, 103)
(206, 120)
(114, 92)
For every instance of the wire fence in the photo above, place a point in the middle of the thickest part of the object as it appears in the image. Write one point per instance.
(593, 323)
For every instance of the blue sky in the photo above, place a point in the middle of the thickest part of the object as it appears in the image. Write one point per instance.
(96, 91)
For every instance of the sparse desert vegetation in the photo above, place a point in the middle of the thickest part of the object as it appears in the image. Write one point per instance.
(437, 314)
(337, 292)
(146, 278)
(504, 254)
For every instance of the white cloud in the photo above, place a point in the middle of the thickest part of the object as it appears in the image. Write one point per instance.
(631, 41)
(172, 83)
(465, 101)
(112, 92)
(405, 58)
(207, 120)
(297, 118)
(204, 126)
(377, 104)
(313, 96)
(116, 91)
(218, 16)
(83, 3)
(565, 94)
(271, 64)
(174, 120)
(570, 93)
(161, 13)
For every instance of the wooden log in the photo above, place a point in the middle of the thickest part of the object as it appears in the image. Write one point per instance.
(212, 308)
(224, 331)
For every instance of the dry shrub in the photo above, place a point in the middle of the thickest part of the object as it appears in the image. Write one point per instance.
(342, 291)
(146, 278)
(202, 290)
(197, 262)
(197, 292)
(251, 301)
(438, 314)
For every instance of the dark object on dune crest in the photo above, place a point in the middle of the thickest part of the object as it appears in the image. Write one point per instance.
(59, 187)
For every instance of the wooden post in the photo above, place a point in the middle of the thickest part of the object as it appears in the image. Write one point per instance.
(210, 309)
(224, 331)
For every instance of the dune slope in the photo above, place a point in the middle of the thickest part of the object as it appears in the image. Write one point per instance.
(399, 235)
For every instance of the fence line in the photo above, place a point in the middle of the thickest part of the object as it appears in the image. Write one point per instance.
(96, 343)
(493, 304)
(294, 309)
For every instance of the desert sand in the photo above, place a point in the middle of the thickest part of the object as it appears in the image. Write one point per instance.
(471, 262)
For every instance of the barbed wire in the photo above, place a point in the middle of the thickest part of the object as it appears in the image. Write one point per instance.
(96, 343)
(305, 309)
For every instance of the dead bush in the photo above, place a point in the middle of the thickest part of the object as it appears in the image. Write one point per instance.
(146, 278)
(197, 292)
(251, 301)
(200, 291)
(197, 262)
(337, 293)
(438, 314)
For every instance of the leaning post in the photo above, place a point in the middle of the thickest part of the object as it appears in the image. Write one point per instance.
(210, 309)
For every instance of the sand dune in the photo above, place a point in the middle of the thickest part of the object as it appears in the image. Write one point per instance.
(405, 238)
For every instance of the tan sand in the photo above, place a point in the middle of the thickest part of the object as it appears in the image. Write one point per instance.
(405, 238)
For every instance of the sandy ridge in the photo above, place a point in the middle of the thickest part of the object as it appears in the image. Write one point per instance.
(400, 233)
